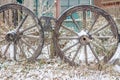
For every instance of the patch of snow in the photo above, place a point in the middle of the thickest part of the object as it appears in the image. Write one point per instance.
(82, 33)
(116, 55)
(90, 55)
(9, 53)
(56, 71)
(116, 68)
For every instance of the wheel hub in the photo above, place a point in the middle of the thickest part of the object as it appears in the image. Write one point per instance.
(12, 36)
(84, 38)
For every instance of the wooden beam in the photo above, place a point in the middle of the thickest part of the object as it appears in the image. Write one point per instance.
(57, 8)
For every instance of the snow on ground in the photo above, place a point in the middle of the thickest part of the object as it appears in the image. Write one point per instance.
(53, 70)
(116, 59)
(116, 55)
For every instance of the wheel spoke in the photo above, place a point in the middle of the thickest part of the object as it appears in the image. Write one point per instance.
(113, 43)
(97, 43)
(29, 33)
(27, 44)
(3, 13)
(31, 37)
(70, 47)
(76, 53)
(21, 23)
(67, 38)
(99, 46)
(27, 29)
(86, 56)
(75, 22)
(1, 40)
(84, 19)
(96, 18)
(7, 47)
(101, 28)
(21, 49)
(6, 19)
(2, 34)
(3, 29)
(69, 30)
(103, 37)
(15, 50)
(94, 53)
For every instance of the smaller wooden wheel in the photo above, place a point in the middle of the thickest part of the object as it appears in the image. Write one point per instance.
(85, 33)
(21, 34)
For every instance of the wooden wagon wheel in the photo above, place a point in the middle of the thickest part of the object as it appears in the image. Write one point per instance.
(85, 33)
(21, 34)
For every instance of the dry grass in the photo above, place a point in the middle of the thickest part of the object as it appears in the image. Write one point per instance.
(53, 70)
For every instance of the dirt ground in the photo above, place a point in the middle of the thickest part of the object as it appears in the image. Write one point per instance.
(54, 69)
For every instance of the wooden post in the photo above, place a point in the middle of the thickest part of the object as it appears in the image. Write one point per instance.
(57, 8)
(52, 48)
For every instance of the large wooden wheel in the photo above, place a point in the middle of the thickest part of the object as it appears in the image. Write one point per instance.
(21, 34)
(85, 33)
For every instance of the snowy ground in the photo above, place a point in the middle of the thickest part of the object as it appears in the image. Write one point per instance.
(53, 70)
